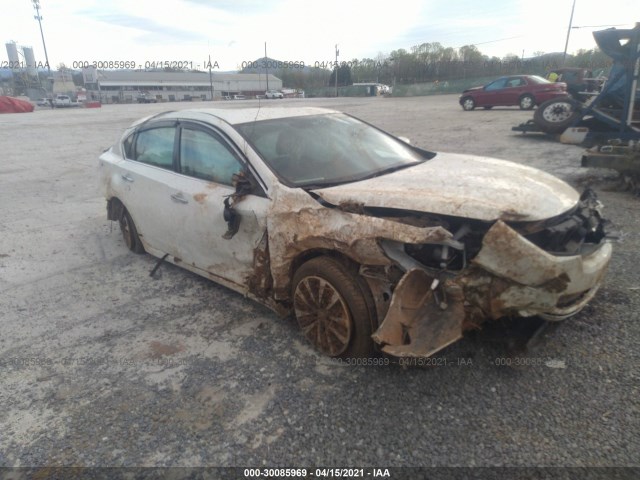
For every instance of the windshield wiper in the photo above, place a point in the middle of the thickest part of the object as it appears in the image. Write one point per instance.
(376, 173)
(385, 171)
(313, 186)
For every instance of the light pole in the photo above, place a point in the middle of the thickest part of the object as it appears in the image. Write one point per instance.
(37, 16)
(566, 44)
(337, 53)
(266, 64)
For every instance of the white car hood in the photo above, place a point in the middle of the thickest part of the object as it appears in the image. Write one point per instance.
(463, 186)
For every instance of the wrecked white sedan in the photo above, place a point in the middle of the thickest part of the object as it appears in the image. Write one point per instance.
(373, 244)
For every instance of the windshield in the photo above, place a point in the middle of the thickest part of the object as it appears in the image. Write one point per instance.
(323, 150)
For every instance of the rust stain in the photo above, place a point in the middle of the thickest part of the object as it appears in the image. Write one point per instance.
(557, 284)
(159, 349)
(200, 197)
(260, 281)
(336, 230)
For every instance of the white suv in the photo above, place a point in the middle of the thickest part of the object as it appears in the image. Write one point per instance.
(273, 94)
(62, 101)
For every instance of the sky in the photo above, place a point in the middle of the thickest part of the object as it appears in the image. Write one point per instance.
(234, 32)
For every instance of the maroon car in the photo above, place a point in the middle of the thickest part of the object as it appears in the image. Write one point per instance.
(526, 91)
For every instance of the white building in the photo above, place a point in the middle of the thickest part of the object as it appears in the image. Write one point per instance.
(119, 86)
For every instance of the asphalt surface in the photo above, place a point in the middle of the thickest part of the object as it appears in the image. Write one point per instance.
(102, 365)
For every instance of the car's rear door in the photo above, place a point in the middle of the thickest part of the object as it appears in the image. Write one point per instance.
(514, 88)
(208, 161)
(145, 184)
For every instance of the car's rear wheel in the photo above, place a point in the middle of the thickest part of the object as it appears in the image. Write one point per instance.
(130, 233)
(333, 308)
(468, 103)
(556, 115)
(527, 102)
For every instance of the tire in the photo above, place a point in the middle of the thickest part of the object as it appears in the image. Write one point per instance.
(334, 308)
(468, 103)
(557, 114)
(130, 233)
(527, 102)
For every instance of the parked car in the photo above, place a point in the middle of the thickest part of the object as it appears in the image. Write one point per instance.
(273, 94)
(525, 91)
(62, 101)
(370, 242)
(239, 97)
(44, 102)
(146, 97)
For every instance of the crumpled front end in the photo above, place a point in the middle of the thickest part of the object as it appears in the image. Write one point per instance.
(535, 282)
(552, 271)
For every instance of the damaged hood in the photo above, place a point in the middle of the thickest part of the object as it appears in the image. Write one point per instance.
(467, 186)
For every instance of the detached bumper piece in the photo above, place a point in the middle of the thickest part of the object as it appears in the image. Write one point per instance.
(421, 320)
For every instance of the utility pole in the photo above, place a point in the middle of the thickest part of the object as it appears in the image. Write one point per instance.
(566, 44)
(37, 16)
(266, 64)
(337, 53)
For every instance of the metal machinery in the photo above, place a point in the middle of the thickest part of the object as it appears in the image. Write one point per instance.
(611, 114)
(608, 121)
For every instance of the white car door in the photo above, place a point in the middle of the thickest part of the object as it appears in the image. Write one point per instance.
(207, 163)
(146, 185)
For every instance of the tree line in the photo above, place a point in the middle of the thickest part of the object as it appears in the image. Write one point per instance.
(429, 62)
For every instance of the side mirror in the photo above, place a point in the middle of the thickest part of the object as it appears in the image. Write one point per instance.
(244, 184)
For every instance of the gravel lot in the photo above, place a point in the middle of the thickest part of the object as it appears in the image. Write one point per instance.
(101, 365)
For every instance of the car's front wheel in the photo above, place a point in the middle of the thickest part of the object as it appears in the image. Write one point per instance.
(468, 103)
(333, 308)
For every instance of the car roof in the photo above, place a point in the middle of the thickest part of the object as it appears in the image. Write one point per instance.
(236, 116)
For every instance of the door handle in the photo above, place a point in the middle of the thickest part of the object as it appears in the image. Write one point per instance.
(177, 197)
(127, 178)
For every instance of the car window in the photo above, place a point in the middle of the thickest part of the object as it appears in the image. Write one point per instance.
(155, 147)
(205, 156)
(496, 85)
(515, 82)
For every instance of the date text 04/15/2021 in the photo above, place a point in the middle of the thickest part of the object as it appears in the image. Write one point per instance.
(260, 473)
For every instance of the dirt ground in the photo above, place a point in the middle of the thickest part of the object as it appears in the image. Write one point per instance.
(102, 365)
